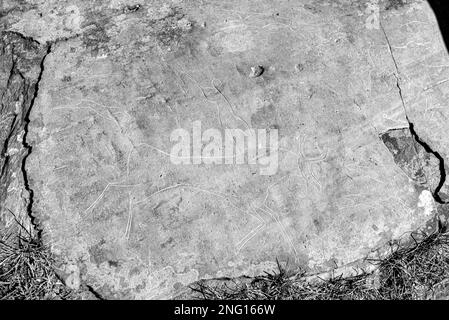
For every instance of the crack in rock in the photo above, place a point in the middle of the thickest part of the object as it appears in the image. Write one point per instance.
(27, 147)
(95, 293)
(21, 60)
(396, 74)
(423, 153)
(418, 161)
(441, 164)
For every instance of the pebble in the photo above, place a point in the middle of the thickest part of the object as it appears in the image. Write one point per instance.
(256, 71)
(299, 67)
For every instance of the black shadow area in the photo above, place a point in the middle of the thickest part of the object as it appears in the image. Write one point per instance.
(441, 10)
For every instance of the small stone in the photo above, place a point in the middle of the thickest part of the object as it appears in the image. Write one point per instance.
(256, 71)
(299, 67)
(129, 9)
(185, 24)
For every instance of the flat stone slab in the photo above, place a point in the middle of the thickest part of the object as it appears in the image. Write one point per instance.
(131, 223)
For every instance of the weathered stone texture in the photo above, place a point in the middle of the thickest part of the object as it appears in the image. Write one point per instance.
(20, 65)
(121, 77)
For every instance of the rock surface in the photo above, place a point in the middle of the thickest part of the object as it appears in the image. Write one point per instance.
(20, 65)
(121, 76)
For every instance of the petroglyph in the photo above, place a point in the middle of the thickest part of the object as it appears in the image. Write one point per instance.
(120, 79)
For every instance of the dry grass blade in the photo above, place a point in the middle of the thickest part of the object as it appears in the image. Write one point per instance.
(27, 269)
(412, 270)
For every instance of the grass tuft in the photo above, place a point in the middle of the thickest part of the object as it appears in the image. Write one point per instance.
(27, 268)
(417, 269)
